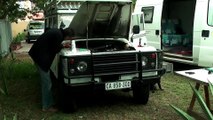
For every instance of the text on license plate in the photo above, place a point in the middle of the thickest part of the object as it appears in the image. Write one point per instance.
(117, 85)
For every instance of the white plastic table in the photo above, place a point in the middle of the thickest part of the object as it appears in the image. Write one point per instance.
(201, 77)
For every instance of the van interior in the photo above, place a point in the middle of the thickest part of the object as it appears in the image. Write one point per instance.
(177, 27)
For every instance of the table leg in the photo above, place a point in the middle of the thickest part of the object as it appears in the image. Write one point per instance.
(197, 86)
(206, 91)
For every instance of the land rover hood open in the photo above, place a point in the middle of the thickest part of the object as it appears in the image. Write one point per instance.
(102, 57)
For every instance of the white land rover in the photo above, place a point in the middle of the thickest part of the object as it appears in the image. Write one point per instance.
(102, 57)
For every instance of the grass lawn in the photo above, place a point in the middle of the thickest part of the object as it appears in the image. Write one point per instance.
(24, 98)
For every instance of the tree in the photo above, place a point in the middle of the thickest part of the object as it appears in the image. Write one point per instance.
(134, 1)
(39, 4)
(10, 9)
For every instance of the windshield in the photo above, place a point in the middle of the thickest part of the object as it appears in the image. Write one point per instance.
(38, 25)
(102, 19)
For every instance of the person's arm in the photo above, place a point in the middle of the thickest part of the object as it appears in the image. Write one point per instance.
(66, 44)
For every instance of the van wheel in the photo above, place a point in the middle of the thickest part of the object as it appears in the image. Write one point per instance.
(141, 93)
(28, 38)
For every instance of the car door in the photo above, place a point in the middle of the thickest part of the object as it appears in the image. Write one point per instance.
(203, 33)
(152, 10)
(138, 40)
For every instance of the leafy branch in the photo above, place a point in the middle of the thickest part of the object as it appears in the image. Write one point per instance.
(10, 9)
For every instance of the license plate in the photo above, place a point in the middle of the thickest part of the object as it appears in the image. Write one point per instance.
(117, 85)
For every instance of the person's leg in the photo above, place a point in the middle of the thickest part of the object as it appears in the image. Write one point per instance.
(46, 85)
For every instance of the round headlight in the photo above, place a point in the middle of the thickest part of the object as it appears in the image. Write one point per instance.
(144, 61)
(82, 66)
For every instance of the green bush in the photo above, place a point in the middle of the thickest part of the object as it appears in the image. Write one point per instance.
(19, 37)
(11, 69)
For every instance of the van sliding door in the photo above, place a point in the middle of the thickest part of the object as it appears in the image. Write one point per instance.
(203, 33)
(152, 15)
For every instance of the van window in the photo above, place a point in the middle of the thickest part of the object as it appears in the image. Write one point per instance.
(210, 13)
(148, 14)
(37, 25)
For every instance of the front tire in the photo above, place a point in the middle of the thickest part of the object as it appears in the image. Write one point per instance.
(67, 100)
(28, 38)
(141, 93)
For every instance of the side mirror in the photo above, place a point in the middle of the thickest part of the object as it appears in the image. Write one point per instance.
(136, 29)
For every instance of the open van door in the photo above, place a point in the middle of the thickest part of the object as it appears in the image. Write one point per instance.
(137, 31)
(152, 10)
(203, 33)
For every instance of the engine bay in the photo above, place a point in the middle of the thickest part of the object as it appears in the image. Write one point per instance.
(105, 45)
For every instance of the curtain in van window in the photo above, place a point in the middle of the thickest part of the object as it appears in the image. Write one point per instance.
(210, 13)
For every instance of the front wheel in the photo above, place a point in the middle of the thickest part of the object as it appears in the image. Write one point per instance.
(141, 93)
(67, 100)
(63, 96)
(28, 38)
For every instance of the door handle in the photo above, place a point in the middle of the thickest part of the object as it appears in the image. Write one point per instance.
(205, 33)
(157, 32)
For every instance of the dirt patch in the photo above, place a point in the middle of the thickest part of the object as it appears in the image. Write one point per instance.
(19, 56)
(22, 55)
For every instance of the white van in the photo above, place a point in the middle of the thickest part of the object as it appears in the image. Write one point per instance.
(183, 29)
(59, 13)
(34, 29)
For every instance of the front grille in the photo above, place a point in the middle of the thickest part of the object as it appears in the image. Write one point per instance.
(37, 31)
(118, 63)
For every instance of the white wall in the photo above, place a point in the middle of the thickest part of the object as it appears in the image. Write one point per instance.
(5, 36)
